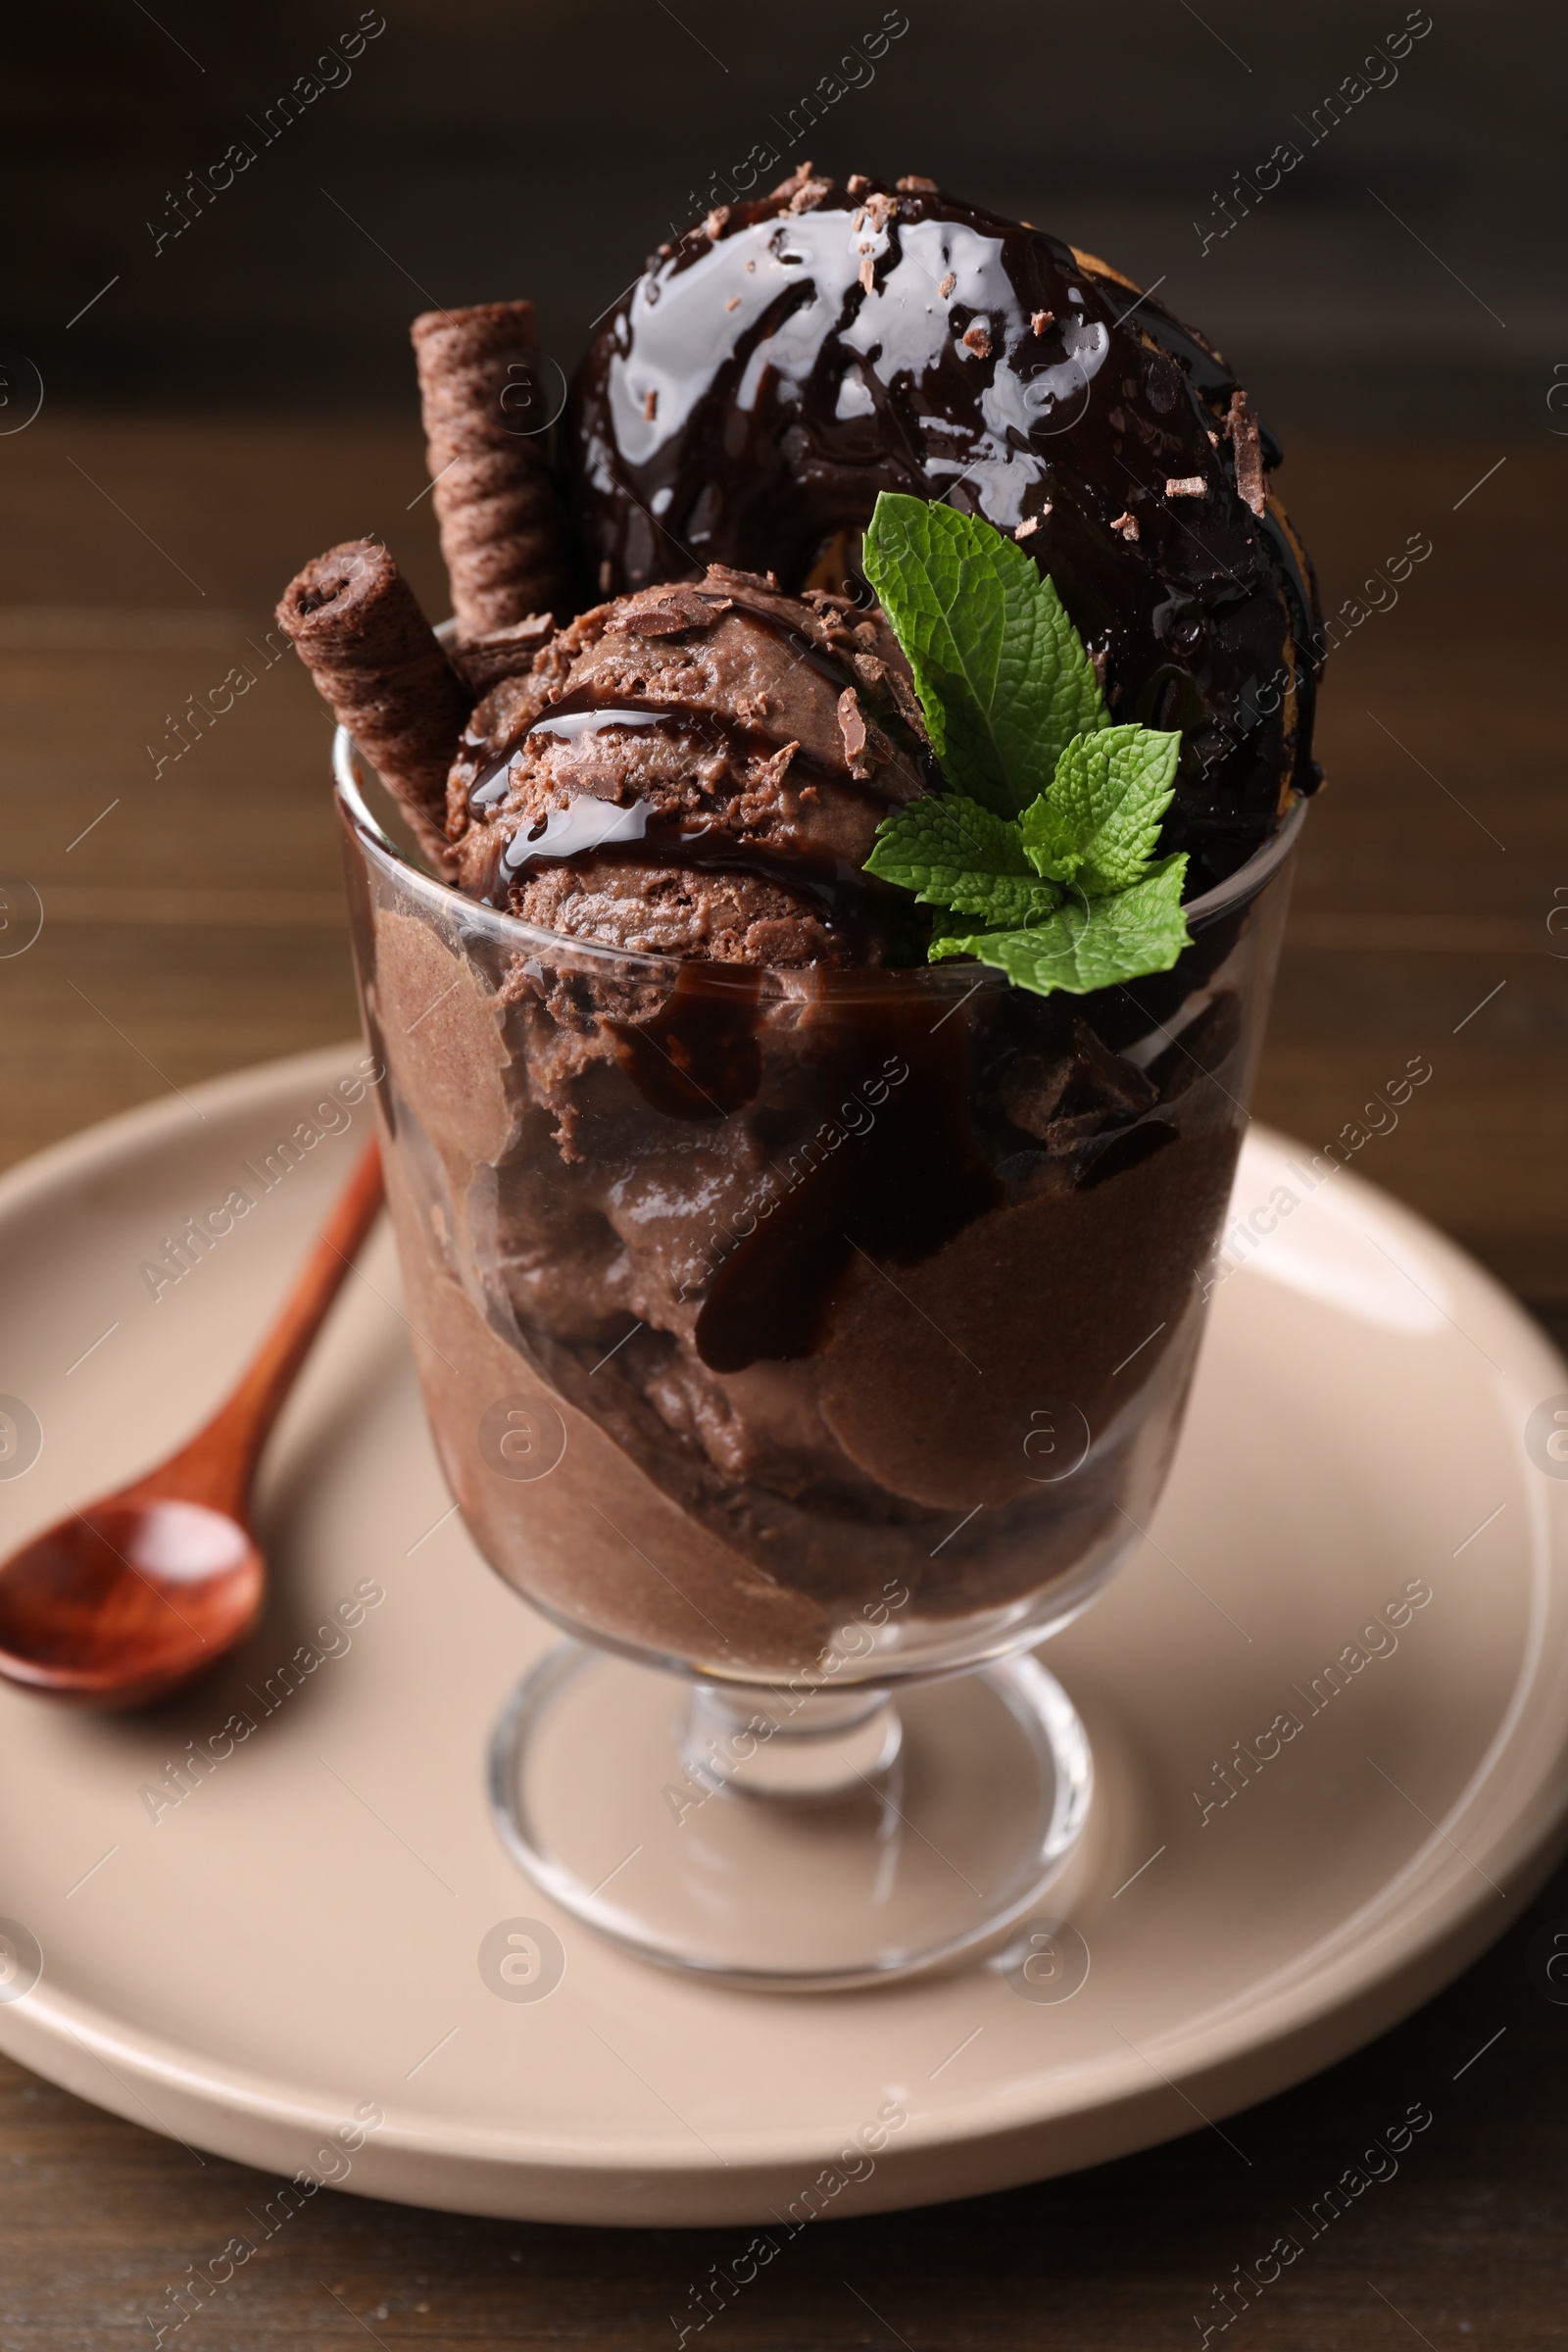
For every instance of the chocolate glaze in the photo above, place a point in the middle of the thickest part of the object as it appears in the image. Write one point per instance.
(717, 748)
(749, 399)
(698, 1057)
(912, 1181)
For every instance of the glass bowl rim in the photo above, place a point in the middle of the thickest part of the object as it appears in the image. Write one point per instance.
(954, 978)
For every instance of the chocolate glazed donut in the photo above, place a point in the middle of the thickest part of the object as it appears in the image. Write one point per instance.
(778, 368)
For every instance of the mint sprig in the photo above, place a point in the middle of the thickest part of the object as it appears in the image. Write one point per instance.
(1047, 844)
(952, 853)
(1098, 824)
(1088, 944)
(1001, 672)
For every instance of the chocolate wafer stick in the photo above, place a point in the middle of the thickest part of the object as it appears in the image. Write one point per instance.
(501, 534)
(357, 626)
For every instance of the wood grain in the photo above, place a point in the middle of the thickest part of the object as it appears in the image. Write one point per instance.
(195, 928)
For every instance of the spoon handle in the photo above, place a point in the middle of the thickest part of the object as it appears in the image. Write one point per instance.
(217, 1465)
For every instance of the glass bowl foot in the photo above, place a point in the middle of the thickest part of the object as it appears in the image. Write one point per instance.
(783, 1842)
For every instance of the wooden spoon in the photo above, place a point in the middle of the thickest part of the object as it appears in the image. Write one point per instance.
(123, 1602)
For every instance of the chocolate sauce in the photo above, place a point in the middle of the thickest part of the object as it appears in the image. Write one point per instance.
(584, 824)
(786, 397)
(596, 718)
(892, 1172)
(699, 1056)
(879, 924)
(708, 731)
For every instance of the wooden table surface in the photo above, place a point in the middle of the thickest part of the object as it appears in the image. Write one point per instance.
(194, 923)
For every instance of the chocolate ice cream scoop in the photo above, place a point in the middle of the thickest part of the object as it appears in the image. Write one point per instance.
(699, 770)
(774, 372)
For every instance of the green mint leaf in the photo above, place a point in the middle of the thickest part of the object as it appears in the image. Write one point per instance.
(1085, 947)
(1064, 895)
(1001, 672)
(952, 852)
(1098, 824)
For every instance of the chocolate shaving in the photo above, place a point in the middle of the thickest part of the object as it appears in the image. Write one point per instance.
(864, 747)
(913, 184)
(649, 406)
(501, 531)
(375, 661)
(880, 210)
(851, 727)
(1039, 320)
(978, 339)
(713, 225)
(1242, 426)
(798, 179)
(1186, 485)
(857, 184)
(772, 771)
(727, 572)
(947, 286)
(1127, 524)
(868, 275)
(1028, 527)
(675, 609)
(907, 703)
(483, 661)
(807, 193)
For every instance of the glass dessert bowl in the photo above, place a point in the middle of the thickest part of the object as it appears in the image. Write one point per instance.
(809, 1344)
(857, 790)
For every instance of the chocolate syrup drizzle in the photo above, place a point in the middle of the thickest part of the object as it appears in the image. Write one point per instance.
(879, 924)
(749, 399)
(894, 1192)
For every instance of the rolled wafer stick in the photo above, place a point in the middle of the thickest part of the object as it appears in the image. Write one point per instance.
(501, 530)
(357, 626)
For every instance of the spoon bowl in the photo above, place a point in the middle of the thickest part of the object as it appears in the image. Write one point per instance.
(172, 1584)
(118, 1605)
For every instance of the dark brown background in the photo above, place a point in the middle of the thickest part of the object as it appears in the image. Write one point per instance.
(245, 398)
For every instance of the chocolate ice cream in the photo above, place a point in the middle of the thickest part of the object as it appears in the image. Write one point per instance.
(699, 772)
(813, 1250)
(779, 367)
(806, 1273)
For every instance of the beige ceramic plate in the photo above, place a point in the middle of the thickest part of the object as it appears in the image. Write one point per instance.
(319, 1928)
